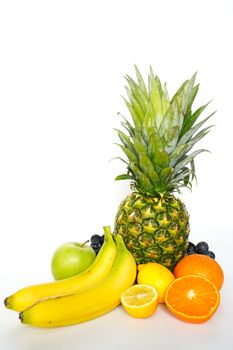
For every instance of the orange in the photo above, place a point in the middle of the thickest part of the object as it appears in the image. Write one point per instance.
(201, 265)
(192, 298)
(140, 300)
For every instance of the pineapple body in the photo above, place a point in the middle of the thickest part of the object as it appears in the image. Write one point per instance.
(154, 228)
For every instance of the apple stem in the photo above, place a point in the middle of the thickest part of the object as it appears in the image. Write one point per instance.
(84, 243)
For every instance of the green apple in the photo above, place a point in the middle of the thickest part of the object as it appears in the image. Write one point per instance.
(71, 258)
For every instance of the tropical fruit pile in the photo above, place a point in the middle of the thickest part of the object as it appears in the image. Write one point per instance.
(191, 292)
(148, 259)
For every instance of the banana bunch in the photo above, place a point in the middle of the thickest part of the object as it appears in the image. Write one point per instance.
(86, 296)
(101, 266)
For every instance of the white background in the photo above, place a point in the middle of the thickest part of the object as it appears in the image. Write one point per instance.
(61, 76)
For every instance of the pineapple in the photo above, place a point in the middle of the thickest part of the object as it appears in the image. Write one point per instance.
(152, 220)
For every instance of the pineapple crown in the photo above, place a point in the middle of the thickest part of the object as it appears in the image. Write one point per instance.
(157, 143)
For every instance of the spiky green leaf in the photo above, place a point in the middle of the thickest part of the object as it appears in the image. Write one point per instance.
(135, 104)
(142, 180)
(185, 95)
(145, 162)
(165, 100)
(123, 177)
(188, 135)
(126, 141)
(170, 138)
(189, 122)
(173, 120)
(156, 151)
(149, 120)
(130, 155)
(121, 159)
(141, 82)
(135, 117)
(183, 149)
(147, 167)
(182, 164)
(155, 91)
(126, 124)
(139, 94)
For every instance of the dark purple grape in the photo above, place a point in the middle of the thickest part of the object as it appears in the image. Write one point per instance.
(210, 254)
(96, 247)
(191, 248)
(202, 248)
(95, 239)
(191, 252)
(97, 242)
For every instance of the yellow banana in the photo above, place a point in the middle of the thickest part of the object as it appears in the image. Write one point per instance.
(92, 302)
(101, 266)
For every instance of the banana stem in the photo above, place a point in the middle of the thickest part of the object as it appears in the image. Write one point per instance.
(107, 229)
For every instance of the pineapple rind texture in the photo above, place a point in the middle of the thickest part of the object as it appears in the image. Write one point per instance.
(154, 228)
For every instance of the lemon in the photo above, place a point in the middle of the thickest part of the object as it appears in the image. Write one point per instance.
(157, 276)
(140, 300)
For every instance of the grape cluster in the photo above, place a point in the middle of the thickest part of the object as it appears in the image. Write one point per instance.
(200, 248)
(97, 242)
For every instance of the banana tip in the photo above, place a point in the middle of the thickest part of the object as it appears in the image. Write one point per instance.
(21, 316)
(6, 302)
